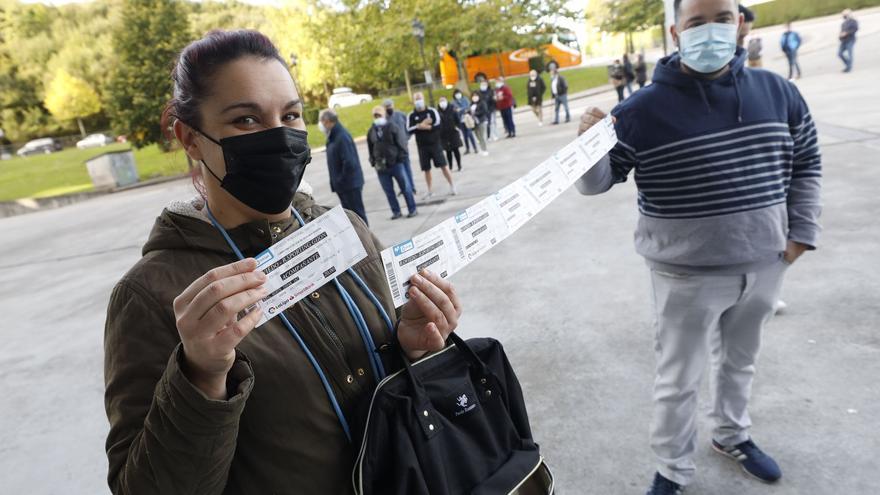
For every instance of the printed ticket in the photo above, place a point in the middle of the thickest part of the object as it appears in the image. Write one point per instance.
(458, 241)
(307, 259)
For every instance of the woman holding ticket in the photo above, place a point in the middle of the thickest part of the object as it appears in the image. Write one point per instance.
(200, 398)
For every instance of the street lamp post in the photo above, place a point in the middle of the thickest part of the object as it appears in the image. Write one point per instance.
(293, 67)
(418, 30)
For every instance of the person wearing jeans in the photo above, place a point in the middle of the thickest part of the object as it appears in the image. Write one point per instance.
(388, 152)
(462, 104)
(847, 39)
(481, 117)
(559, 90)
(791, 43)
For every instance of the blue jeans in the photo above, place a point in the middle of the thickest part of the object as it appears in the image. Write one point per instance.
(351, 200)
(846, 53)
(507, 118)
(561, 100)
(407, 170)
(386, 178)
(469, 140)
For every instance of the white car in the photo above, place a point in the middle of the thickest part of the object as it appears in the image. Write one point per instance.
(94, 141)
(345, 97)
(42, 145)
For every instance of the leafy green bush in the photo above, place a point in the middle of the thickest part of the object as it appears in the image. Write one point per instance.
(781, 11)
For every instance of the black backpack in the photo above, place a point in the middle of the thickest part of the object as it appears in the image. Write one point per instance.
(451, 423)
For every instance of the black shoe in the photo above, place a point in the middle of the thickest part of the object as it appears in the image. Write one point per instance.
(554, 123)
(567, 120)
(467, 152)
(396, 216)
(412, 214)
(663, 486)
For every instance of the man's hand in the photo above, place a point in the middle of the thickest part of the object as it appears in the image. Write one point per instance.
(429, 316)
(793, 251)
(591, 117)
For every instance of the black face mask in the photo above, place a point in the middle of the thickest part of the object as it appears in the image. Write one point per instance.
(264, 169)
(389, 111)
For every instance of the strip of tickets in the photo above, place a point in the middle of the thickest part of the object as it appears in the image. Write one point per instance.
(307, 259)
(457, 241)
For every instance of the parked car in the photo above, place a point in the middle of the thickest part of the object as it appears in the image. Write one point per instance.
(94, 141)
(42, 145)
(345, 97)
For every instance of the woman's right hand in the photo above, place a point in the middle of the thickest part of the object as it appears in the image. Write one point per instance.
(207, 321)
(591, 117)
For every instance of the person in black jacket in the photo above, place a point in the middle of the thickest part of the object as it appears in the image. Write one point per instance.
(424, 122)
(343, 164)
(449, 137)
(641, 71)
(480, 113)
(535, 89)
(487, 95)
(559, 90)
(388, 153)
(628, 73)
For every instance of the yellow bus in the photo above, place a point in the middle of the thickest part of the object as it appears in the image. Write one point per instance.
(563, 49)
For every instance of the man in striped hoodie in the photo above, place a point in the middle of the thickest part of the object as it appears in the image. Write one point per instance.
(728, 172)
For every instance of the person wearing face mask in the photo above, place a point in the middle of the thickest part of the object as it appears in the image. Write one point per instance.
(487, 95)
(728, 172)
(847, 38)
(198, 399)
(504, 102)
(535, 90)
(424, 122)
(481, 117)
(559, 90)
(346, 176)
(449, 137)
(462, 106)
(398, 118)
(387, 150)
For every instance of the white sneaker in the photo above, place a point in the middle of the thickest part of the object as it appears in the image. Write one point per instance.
(428, 195)
(452, 191)
(540, 124)
(485, 153)
(780, 306)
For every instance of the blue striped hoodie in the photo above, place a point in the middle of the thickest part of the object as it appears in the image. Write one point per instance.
(727, 170)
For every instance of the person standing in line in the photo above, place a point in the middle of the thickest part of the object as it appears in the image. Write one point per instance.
(449, 137)
(487, 94)
(462, 105)
(617, 78)
(504, 102)
(641, 71)
(535, 90)
(791, 43)
(481, 119)
(559, 90)
(628, 73)
(346, 176)
(398, 118)
(755, 45)
(387, 150)
(847, 38)
(424, 122)
(729, 196)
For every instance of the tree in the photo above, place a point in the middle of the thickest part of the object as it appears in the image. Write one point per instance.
(69, 98)
(146, 44)
(628, 16)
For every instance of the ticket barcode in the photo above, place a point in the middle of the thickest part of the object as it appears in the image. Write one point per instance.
(392, 280)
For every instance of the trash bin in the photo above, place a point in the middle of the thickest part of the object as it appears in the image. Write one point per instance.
(112, 169)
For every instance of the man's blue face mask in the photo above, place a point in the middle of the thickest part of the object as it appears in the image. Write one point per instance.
(709, 47)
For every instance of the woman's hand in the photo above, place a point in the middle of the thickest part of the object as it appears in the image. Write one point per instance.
(207, 321)
(430, 315)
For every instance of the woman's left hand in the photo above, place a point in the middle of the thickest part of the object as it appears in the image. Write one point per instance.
(430, 315)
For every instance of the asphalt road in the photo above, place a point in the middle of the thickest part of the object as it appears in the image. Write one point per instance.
(567, 295)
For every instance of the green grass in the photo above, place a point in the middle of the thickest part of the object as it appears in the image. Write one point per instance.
(65, 172)
(780, 11)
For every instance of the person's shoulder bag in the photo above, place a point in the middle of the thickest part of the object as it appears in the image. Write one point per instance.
(451, 423)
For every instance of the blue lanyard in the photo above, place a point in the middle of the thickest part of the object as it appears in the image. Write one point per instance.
(356, 315)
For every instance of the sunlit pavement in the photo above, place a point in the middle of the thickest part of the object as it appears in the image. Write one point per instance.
(567, 295)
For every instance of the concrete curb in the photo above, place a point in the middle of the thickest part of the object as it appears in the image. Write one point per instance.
(31, 205)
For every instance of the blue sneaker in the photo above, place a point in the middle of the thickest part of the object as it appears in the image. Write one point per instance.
(752, 459)
(663, 486)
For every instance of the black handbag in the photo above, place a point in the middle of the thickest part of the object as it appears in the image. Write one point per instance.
(451, 423)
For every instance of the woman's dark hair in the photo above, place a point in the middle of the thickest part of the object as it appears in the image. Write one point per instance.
(197, 64)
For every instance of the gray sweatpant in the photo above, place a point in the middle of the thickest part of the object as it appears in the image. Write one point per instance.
(697, 315)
